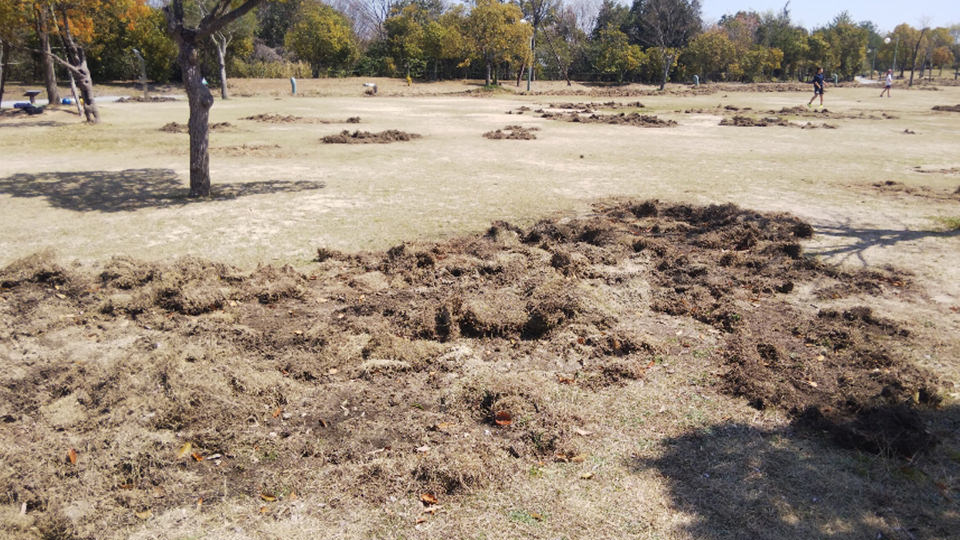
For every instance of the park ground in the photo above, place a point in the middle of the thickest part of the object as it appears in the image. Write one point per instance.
(689, 331)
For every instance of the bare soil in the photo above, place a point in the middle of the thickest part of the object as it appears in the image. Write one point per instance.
(378, 372)
(273, 118)
(513, 132)
(947, 108)
(366, 137)
(622, 119)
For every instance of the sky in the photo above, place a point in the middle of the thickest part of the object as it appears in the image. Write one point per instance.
(886, 14)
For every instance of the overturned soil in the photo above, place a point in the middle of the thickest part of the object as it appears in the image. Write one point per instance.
(513, 132)
(947, 108)
(621, 119)
(174, 127)
(747, 121)
(413, 370)
(141, 99)
(807, 112)
(264, 150)
(366, 137)
(589, 107)
(899, 188)
(273, 118)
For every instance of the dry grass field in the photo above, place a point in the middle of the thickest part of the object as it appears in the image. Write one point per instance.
(626, 326)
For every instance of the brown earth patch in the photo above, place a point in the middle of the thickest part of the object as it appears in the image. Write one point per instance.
(141, 99)
(249, 150)
(899, 188)
(622, 119)
(174, 127)
(513, 132)
(273, 118)
(747, 121)
(828, 114)
(947, 108)
(428, 368)
(366, 137)
(950, 170)
(588, 107)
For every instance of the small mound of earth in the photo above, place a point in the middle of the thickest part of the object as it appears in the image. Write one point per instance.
(747, 121)
(366, 137)
(947, 108)
(826, 113)
(592, 106)
(951, 170)
(622, 119)
(174, 127)
(249, 149)
(513, 132)
(291, 119)
(811, 125)
(899, 188)
(141, 99)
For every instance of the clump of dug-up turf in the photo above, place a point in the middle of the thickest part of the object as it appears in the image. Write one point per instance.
(947, 108)
(426, 368)
(150, 99)
(621, 119)
(747, 121)
(291, 119)
(366, 137)
(513, 132)
(174, 127)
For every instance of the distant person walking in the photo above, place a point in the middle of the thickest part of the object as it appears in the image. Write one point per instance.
(887, 83)
(817, 87)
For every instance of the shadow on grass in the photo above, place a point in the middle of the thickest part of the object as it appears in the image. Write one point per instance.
(854, 241)
(737, 481)
(131, 189)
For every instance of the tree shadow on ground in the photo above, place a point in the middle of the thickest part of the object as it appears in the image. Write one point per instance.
(131, 189)
(737, 481)
(852, 242)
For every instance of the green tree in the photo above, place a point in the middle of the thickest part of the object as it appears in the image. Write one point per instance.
(405, 36)
(667, 26)
(848, 46)
(710, 55)
(614, 55)
(497, 33)
(322, 37)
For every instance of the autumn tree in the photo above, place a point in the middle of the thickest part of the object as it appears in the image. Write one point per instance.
(497, 33)
(189, 40)
(667, 26)
(12, 22)
(322, 37)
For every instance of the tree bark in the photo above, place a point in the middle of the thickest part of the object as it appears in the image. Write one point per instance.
(667, 60)
(222, 62)
(200, 101)
(77, 63)
(4, 58)
(46, 59)
(487, 82)
(916, 51)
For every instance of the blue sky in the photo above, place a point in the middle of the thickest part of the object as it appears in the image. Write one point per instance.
(814, 13)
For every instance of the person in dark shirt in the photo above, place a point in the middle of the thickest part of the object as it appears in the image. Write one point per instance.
(817, 87)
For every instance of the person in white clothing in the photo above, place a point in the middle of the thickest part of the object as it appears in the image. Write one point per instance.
(888, 83)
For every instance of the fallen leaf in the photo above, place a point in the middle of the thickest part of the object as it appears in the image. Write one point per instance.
(72, 456)
(586, 475)
(503, 418)
(199, 503)
(197, 456)
(433, 509)
(292, 496)
(580, 458)
(581, 341)
(278, 410)
(537, 516)
(428, 498)
(145, 514)
(421, 519)
(184, 450)
(264, 510)
(812, 383)
(563, 379)
(268, 498)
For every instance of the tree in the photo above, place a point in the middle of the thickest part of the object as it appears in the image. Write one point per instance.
(405, 36)
(42, 20)
(241, 28)
(322, 37)
(189, 39)
(274, 19)
(848, 46)
(942, 56)
(497, 33)
(614, 55)
(536, 12)
(667, 25)
(710, 54)
(12, 22)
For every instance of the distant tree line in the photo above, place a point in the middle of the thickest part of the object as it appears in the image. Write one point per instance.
(650, 41)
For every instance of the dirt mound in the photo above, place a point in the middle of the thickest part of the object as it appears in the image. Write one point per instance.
(622, 119)
(272, 118)
(366, 137)
(513, 132)
(174, 127)
(947, 108)
(592, 106)
(430, 367)
(141, 99)
(899, 188)
(248, 149)
(746, 121)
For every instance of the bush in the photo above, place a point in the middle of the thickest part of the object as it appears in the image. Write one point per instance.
(268, 70)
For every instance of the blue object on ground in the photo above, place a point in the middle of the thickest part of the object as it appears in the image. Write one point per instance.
(66, 101)
(21, 105)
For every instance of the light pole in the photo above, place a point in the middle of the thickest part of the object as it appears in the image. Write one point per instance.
(895, 48)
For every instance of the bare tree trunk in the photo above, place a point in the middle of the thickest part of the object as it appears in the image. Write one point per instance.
(73, 92)
(46, 59)
(667, 60)
(78, 66)
(4, 58)
(564, 69)
(200, 100)
(487, 83)
(221, 43)
(916, 51)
